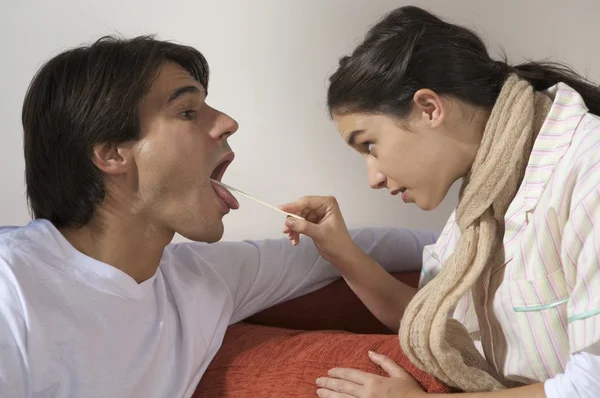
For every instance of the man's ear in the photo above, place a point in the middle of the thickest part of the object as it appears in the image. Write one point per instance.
(112, 159)
(430, 107)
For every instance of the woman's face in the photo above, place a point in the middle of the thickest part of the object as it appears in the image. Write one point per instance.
(422, 155)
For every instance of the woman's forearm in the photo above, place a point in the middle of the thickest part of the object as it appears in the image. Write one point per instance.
(385, 296)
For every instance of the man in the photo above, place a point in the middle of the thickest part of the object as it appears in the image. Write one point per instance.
(120, 146)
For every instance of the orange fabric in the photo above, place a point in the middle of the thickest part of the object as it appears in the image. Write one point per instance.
(259, 361)
(335, 307)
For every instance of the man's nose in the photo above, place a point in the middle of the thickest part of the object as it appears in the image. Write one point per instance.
(226, 126)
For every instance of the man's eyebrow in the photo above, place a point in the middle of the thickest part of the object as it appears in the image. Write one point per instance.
(180, 91)
(353, 135)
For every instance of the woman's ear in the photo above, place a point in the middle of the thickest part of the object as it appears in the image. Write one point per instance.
(113, 159)
(430, 107)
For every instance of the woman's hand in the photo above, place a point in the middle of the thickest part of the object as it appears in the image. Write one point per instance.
(352, 383)
(385, 296)
(323, 223)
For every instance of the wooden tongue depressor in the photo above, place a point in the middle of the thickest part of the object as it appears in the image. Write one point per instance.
(255, 199)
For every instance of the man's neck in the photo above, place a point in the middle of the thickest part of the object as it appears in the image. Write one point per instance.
(123, 241)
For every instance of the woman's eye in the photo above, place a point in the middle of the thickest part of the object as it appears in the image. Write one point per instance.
(188, 115)
(368, 146)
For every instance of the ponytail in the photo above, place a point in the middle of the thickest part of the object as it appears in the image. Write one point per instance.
(543, 75)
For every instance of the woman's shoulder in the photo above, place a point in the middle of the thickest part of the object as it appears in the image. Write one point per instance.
(570, 137)
(577, 174)
(585, 145)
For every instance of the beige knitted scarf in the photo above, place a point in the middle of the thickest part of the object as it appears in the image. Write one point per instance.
(433, 342)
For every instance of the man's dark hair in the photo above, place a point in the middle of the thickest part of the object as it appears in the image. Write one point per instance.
(82, 97)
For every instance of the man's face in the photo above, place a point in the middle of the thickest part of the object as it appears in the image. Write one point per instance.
(183, 144)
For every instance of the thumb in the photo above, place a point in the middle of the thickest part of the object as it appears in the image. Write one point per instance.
(387, 364)
(303, 227)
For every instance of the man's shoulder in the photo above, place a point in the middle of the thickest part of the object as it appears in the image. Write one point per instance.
(14, 242)
(14, 246)
(22, 249)
(18, 241)
(10, 234)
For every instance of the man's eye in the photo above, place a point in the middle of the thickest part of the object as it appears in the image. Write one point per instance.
(188, 115)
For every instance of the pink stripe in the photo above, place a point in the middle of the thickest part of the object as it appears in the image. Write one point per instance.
(427, 259)
(551, 188)
(516, 212)
(591, 132)
(590, 220)
(568, 105)
(538, 349)
(590, 120)
(570, 178)
(515, 235)
(545, 137)
(588, 174)
(552, 337)
(542, 166)
(556, 120)
(536, 183)
(568, 94)
(523, 260)
(579, 238)
(542, 258)
(596, 238)
(573, 263)
(592, 148)
(597, 229)
(517, 343)
(544, 151)
(513, 213)
(556, 246)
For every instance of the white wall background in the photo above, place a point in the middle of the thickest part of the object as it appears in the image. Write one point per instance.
(270, 60)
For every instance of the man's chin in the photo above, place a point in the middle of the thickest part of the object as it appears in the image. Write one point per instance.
(208, 234)
(212, 239)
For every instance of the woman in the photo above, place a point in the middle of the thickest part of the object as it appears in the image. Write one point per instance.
(517, 263)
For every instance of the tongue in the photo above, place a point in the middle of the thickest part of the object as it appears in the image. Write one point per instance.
(227, 197)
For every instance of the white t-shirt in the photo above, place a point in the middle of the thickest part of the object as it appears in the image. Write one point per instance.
(71, 326)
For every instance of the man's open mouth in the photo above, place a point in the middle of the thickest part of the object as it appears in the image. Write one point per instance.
(219, 171)
(221, 191)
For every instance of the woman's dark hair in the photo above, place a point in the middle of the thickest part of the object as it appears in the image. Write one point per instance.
(82, 97)
(411, 49)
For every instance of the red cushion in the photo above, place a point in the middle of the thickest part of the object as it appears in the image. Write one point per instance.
(260, 361)
(335, 307)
